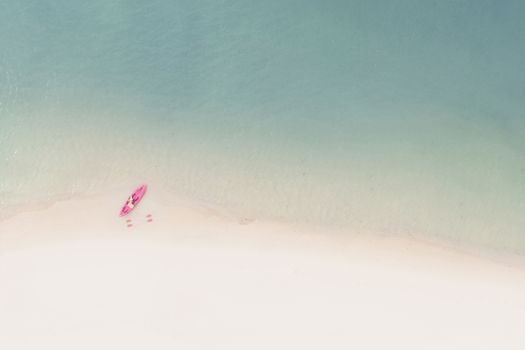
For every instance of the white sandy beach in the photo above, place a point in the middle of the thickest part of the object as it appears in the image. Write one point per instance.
(73, 276)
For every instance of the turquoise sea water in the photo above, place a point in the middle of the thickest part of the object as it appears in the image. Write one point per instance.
(401, 117)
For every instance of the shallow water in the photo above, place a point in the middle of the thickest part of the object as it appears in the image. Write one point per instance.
(403, 119)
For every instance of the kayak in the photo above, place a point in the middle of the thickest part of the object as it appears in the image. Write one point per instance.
(136, 197)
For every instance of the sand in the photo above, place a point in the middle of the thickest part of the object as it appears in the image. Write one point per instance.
(74, 276)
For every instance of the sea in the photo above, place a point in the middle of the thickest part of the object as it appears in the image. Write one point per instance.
(380, 117)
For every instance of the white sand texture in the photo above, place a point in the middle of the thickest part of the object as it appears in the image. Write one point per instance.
(74, 276)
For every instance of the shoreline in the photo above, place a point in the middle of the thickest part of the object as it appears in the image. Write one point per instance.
(167, 203)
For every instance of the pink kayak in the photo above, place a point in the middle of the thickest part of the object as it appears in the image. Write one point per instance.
(133, 200)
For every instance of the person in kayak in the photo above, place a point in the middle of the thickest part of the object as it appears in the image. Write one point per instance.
(131, 202)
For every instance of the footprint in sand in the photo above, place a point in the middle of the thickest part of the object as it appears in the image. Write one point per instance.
(245, 220)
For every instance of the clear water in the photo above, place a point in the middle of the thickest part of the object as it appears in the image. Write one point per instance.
(403, 117)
